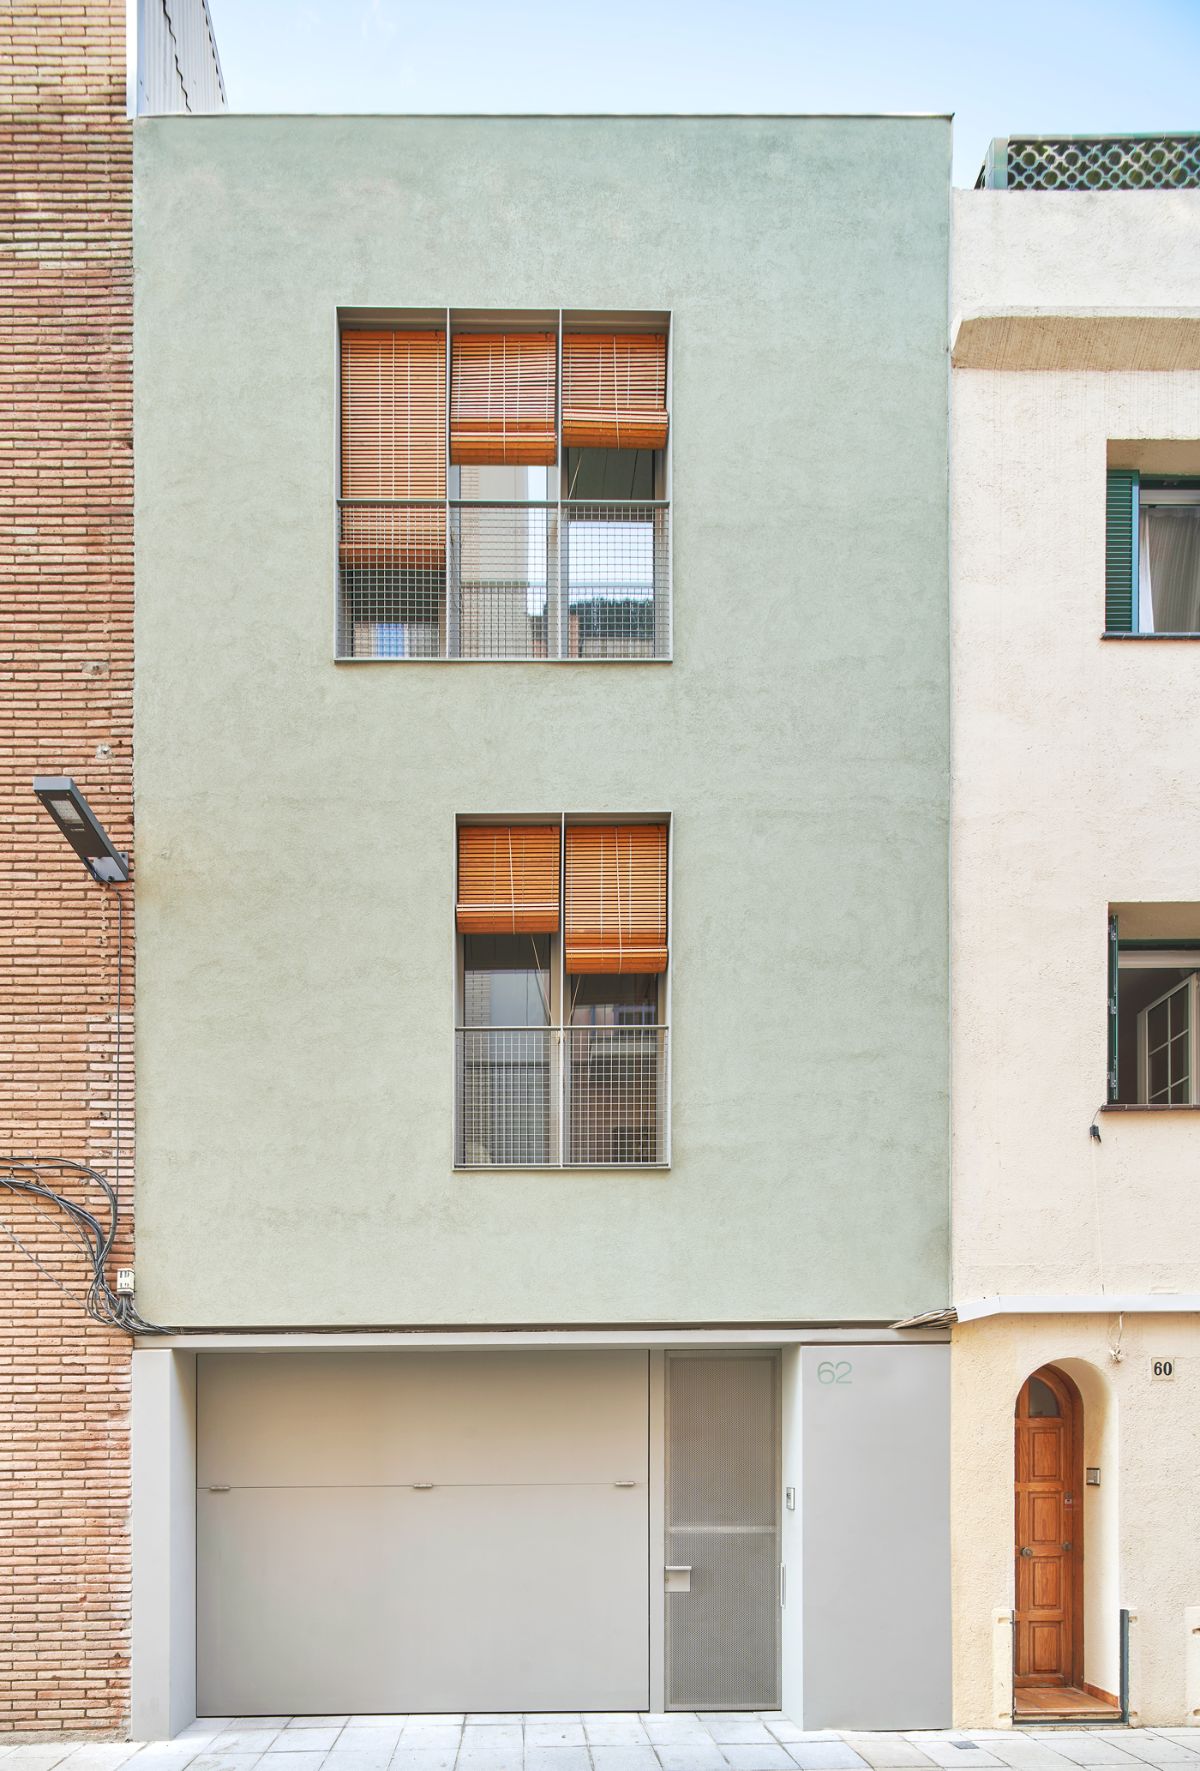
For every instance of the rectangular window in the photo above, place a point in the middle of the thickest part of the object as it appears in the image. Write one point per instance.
(1152, 578)
(505, 489)
(561, 1044)
(1154, 1006)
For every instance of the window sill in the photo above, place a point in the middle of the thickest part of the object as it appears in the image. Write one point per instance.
(1147, 1107)
(1106, 635)
(565, 1168)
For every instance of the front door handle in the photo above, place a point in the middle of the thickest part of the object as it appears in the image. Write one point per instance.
(1066, 1546)
(1025, 1550)
(678, 1577)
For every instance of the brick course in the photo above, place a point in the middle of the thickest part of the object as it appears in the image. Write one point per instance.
(66, 662)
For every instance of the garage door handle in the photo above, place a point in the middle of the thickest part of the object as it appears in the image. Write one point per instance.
(624, 1483)
(678, 1576)
(422, 1484)
(218, 1488)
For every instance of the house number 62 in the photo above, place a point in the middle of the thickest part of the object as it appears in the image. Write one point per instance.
(834, 1371)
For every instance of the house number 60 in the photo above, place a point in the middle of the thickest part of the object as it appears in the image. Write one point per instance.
(834, 1371)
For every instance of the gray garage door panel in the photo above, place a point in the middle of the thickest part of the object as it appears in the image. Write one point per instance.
(480, 1594)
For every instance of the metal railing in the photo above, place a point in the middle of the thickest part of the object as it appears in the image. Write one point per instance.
(1092, 163)
(561, 1097)
(568, 580)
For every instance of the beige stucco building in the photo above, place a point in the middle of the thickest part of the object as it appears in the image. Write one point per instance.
(1075, 939)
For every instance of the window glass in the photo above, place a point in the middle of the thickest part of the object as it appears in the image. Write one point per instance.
(506, 485)
(604, 474)
(1042, 1400)
(506, 980)
(608, 999)
(1169, 563)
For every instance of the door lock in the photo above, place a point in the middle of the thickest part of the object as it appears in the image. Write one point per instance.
(1066, 1546)
(1025, 1550)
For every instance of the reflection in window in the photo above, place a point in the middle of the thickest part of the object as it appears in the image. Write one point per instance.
(506, 980)
(1042, 1400)
(1169, 561)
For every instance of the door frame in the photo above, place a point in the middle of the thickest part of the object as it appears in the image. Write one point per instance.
(1071, 1406)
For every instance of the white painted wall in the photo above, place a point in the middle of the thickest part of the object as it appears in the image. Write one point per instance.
(1073, 788)
(163, 1442)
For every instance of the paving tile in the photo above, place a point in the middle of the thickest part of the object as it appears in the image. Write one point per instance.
(615, 1731)
(257, 1721)
(1085, 1749)
(443, 1736)
(437, 1719)
(824, 1755)
(318, 1721)
(424, 1758)
(625, 1758)
(557, 1758)
(225, 1762)
(492, 1719)
(105, 1755)
(493, 1737)
(951, 1749)
(691, 1755)
(483, 1758)
(1189, 1737)
(353, 1758)
(298, 1761)
(675, 1730)
(303, 1740)
(41, 1757)
(885, 1751)
(1148, 1746)
(770, 1757)
(245, 1740)
(739, 1733)
(783, 1728)
(553, 1716)
(548, 1734)
(356, 1739)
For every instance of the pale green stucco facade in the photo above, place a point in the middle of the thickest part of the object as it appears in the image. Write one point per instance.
(295, 817)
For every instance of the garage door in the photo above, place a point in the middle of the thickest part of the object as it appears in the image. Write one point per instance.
(421, 1531)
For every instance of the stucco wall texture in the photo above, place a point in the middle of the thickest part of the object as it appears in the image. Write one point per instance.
(1073, 766)
(296, 818)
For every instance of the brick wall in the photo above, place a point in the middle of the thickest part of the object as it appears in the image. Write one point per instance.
(66, 653)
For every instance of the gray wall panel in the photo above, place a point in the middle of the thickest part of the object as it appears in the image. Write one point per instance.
(876, 1534)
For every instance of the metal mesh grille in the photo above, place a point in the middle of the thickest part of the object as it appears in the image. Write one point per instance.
(614, 1097)
(723, 1522)
(504, 581)
(549, 1096)
(1161, 162)
(507, 1090)
(392, 569)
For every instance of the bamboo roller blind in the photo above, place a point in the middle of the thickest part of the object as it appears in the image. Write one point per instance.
(502, 398)
(393, 446)
(508, 879)
(614, 390)
(616, 898)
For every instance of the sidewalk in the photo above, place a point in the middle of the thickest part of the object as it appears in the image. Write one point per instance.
(741, 1742)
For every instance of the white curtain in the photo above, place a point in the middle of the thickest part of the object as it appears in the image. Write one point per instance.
(1169, 569)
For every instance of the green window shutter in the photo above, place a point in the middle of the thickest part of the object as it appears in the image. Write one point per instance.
(1120, 574)
(1113, 997)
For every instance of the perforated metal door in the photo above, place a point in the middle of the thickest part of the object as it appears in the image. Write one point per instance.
(723, 1526)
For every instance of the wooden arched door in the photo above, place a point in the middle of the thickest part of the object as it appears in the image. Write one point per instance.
(1049, 1531)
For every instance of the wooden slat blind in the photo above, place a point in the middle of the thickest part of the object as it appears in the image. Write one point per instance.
(1121, 552)
(616, 898)
(393, 414)
(502, 398)
(614, 390)
(508, 879)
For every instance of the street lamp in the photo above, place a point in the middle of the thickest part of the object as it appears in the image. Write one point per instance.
(81, 827)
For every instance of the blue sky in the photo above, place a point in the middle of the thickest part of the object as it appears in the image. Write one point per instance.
(1069, 65)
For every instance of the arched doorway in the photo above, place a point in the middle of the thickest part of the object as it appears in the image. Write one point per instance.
(1048, 1650)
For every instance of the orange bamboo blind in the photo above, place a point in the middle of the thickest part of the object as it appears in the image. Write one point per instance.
(502, 393)
(614, 390)
(508, 879)
(393, 414)
(616, 898)
(393, 446)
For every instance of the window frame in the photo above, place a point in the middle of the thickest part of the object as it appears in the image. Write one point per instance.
(1189, 987)
(1144, 490)
(560, 1006)
(450, 321)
